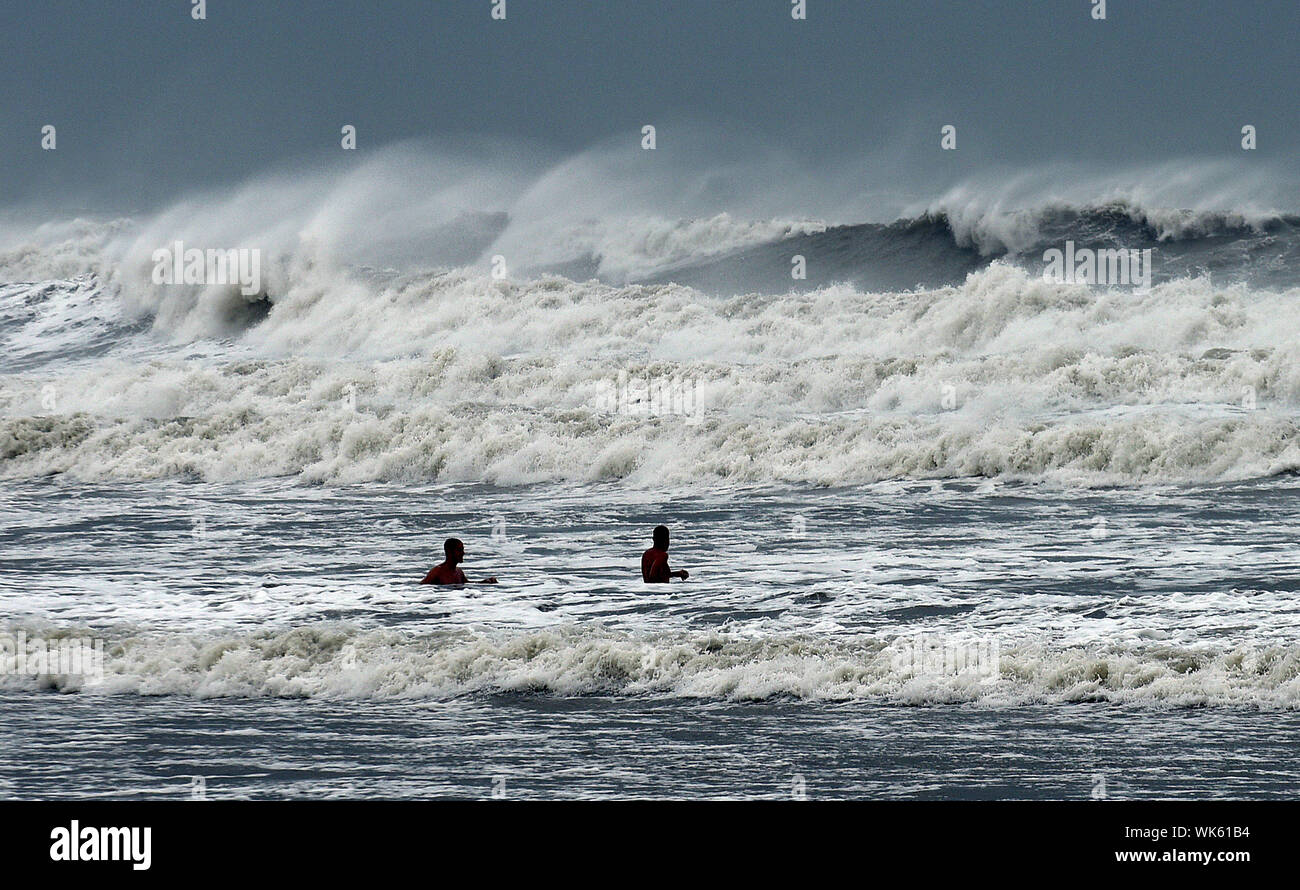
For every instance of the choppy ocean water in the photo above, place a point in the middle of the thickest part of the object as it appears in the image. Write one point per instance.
(271, 638)
(535, 747)
(989, 536)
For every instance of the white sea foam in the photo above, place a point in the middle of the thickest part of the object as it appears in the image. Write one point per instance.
(339, 662)
(458, 377)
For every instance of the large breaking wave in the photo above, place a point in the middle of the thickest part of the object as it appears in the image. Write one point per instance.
(379, 347)
(455, 377)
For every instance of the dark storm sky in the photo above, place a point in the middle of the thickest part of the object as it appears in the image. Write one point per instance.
(150, 103)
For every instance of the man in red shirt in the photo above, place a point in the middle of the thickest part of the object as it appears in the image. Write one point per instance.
(447, 571)
(654, 562)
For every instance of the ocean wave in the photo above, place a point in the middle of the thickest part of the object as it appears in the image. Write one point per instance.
(1001, 231)
(553, 380)
(318, 252)
(949, 241)
(331, 313)
(521, 448)
(327, 661)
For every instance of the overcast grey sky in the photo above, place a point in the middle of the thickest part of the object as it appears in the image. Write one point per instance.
(150, 103)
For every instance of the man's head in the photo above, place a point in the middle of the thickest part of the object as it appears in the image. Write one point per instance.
(661, 537)
(454, 550)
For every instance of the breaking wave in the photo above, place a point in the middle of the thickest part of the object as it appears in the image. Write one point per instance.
(340, 662)
(648, 330)
(456, 377)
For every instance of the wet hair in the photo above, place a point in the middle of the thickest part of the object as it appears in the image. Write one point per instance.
(661, 534)
(450, 544)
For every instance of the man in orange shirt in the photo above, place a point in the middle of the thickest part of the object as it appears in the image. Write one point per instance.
(654, 562)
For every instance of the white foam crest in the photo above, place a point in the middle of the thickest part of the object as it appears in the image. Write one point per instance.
(471, 204)
(329, 661)
(1005, 212)
(311, 432)
(998, 309)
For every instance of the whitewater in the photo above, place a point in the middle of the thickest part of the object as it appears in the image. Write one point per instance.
(346, 376)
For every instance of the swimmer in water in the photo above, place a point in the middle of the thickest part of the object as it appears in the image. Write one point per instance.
(448, 571)
(654, 562)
